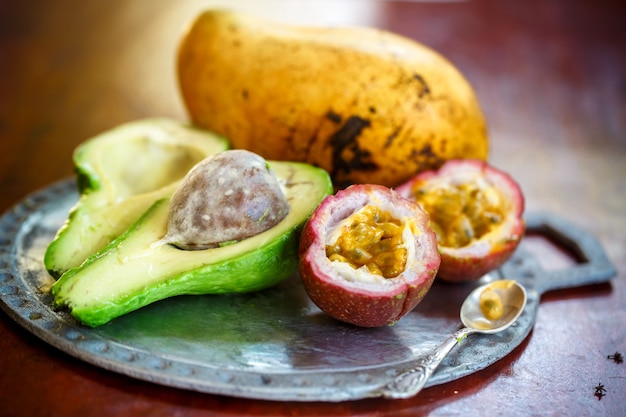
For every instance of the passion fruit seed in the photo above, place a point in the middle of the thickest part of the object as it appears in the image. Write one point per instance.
(491, 304)
(462, 213)
(372, 238)
(225, 198)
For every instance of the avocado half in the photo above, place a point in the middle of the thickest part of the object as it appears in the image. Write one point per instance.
(134, 270)
(119, 174)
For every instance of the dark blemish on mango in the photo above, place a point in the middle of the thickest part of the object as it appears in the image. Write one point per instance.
(333, 117)
(427, 158)
(349, 132)
(391, 137)
(424, 89)
(346, 139)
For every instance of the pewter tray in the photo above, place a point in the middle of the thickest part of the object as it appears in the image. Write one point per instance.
(274, 344)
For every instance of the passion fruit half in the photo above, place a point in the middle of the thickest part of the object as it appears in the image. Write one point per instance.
(476, 211)
(368, 256)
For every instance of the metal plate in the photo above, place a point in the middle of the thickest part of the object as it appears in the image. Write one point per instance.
(274, 344)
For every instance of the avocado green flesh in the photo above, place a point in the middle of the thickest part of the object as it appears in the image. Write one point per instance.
(120, 173)
(136, 269)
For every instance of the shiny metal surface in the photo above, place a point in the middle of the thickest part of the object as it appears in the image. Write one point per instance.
(273, 344)
(512, 295)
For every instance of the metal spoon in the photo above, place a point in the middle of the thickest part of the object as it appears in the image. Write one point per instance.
(476, 319)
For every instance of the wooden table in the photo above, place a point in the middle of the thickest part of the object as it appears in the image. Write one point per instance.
(551, 76)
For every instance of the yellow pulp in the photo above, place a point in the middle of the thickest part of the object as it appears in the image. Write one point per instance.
(461, 213)
(491, 304)
(371, 237)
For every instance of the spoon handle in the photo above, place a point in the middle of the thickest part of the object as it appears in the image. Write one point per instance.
(410, 382)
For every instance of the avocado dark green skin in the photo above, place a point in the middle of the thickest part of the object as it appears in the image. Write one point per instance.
(119, 174)
(136, 269)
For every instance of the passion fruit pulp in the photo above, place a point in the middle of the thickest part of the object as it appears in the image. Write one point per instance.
(476, 211)
(368, 256)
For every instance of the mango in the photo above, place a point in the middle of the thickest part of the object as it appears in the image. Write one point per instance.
(366, 105)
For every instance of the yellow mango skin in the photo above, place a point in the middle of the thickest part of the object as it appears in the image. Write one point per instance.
(366, 105)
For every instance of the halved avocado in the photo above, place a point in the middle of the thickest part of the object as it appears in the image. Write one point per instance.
(135, 269)
(120, 173)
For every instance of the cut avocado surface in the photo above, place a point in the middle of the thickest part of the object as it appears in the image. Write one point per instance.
(136, 269)
(120, 173)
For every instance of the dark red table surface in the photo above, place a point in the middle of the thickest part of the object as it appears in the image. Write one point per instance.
(551, 76)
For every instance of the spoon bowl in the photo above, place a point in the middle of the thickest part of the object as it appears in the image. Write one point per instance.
(512, 296)
(488, 309)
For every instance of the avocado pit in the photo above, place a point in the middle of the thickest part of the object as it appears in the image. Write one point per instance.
(224, 199)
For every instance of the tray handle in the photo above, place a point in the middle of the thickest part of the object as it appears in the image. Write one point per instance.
(593, 267)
